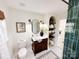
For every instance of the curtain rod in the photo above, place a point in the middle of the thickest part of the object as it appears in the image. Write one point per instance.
(66, 2)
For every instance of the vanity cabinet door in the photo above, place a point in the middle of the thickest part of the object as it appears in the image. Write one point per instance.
(39, 46)
(44, 44)
(36, 46)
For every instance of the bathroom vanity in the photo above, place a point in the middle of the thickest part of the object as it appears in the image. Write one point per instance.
(39, 46)
(39, 37)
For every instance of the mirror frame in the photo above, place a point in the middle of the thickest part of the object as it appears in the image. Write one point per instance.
(35, 23)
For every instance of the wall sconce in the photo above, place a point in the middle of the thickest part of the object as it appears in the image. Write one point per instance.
(2, 16)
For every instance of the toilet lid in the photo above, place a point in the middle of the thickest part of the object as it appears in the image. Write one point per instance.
(22, 52)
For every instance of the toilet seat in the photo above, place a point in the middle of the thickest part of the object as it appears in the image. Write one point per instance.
(22, 53)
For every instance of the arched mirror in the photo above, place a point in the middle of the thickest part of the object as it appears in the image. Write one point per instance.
(35, 26)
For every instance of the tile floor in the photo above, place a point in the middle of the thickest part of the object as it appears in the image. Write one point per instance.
(54, 49)
(30, 55)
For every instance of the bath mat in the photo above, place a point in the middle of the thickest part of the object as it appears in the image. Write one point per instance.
(48, 55)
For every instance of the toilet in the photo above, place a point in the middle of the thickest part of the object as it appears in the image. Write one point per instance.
(22, 53)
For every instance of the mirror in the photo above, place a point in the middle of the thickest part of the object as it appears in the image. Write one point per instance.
(35, 26)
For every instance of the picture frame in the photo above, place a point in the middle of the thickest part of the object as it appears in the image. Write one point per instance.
(20, 27)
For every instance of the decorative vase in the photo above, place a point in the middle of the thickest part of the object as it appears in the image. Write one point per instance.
(41, 33)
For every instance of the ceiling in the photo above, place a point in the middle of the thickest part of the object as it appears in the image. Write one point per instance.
(39, 6)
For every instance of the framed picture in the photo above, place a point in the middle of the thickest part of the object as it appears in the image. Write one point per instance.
(20, 27)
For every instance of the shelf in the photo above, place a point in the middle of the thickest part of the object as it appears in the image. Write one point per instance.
(52, 23)
(51, 28)
(51, 33)
(51, 36)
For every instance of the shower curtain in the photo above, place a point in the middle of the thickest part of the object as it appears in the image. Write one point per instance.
(71, 42)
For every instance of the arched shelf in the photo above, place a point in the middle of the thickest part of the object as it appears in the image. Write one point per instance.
(52, 23)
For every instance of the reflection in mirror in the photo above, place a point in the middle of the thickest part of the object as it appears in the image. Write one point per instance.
(35, 26)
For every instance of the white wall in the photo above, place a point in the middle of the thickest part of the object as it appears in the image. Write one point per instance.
(13, 15)
(58, 40)
(59, 16)
(19, 16)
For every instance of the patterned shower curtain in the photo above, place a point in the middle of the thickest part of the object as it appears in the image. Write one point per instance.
(71, 42)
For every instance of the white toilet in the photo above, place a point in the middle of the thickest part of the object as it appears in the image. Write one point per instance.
(22, 53)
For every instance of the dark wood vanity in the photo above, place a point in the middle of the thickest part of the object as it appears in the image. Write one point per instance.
(39, 46)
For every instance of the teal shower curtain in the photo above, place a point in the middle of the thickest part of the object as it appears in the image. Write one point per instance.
(71, 42)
